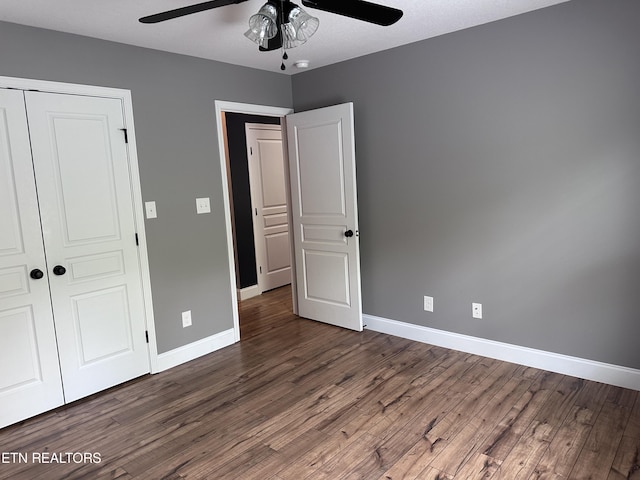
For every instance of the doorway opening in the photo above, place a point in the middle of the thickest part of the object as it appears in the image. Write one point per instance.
(259, 203)
(240, 237)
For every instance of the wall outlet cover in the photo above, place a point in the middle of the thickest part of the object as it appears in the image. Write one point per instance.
(428, 303)
(186, 319)
(476, 310)
(203, 205)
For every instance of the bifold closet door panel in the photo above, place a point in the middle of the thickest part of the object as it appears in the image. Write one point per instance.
(29, 373)
(86, 203)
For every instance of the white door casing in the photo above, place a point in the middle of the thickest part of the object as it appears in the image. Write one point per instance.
(270, 205)
(87, 210)
(30, 380)
(222, 107)
(325, 215)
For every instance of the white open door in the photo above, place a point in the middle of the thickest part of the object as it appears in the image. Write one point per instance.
(325, 215)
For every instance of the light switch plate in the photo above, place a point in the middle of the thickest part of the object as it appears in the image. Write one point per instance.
(150, 208)
(203, 205)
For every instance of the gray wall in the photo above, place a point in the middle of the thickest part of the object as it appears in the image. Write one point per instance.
(173, 102)
(501, 165)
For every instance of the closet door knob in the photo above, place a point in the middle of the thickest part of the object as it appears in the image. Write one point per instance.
(36, 274)
(59, 270)
(348, 233)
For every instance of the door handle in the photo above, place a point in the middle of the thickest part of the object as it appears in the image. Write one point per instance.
(348, 233)
(36, 274)
(59, 270)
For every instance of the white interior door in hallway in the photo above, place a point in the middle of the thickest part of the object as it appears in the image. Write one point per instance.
(85, 309)
(270, 205)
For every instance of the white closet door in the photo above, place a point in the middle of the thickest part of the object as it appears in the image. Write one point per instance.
(29, 373)
(82, 172)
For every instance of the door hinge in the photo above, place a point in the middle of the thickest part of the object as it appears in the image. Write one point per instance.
(137, 241)
(146, 335)
(250, 150)
(126, 135)
(260, 269)
(256, 212)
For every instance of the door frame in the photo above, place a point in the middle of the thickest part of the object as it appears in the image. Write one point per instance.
(222, 107)
(258, 217)
(134, 181)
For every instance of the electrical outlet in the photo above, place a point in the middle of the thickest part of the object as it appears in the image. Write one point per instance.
(476, 310)
(186, 319)
(203, 205)
(428, 304)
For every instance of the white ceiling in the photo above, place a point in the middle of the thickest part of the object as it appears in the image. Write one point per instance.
(219, 34)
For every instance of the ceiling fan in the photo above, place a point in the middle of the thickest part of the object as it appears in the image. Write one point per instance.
(281, 24)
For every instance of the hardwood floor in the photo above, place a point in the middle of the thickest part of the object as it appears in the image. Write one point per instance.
(296, 399)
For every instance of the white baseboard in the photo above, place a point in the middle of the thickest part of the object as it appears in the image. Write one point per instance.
(185, 354)
(577, 367)
(249, 292)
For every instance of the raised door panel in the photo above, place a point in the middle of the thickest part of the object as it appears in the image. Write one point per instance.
(326, 277)
(82, 169)
(322, 182)
(274, 194)
(83, 179)
(29, 374)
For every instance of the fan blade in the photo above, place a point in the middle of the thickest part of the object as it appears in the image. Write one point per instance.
(358, 9)
(181, 12)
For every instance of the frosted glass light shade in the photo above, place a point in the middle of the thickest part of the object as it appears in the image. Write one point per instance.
(304, 24)
(289, 38)
(263, 25)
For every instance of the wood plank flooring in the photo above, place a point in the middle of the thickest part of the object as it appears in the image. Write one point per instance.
(297, 399)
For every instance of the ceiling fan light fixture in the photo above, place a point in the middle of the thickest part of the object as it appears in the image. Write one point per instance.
(284, 20)
(263, 25)
(304, 24)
